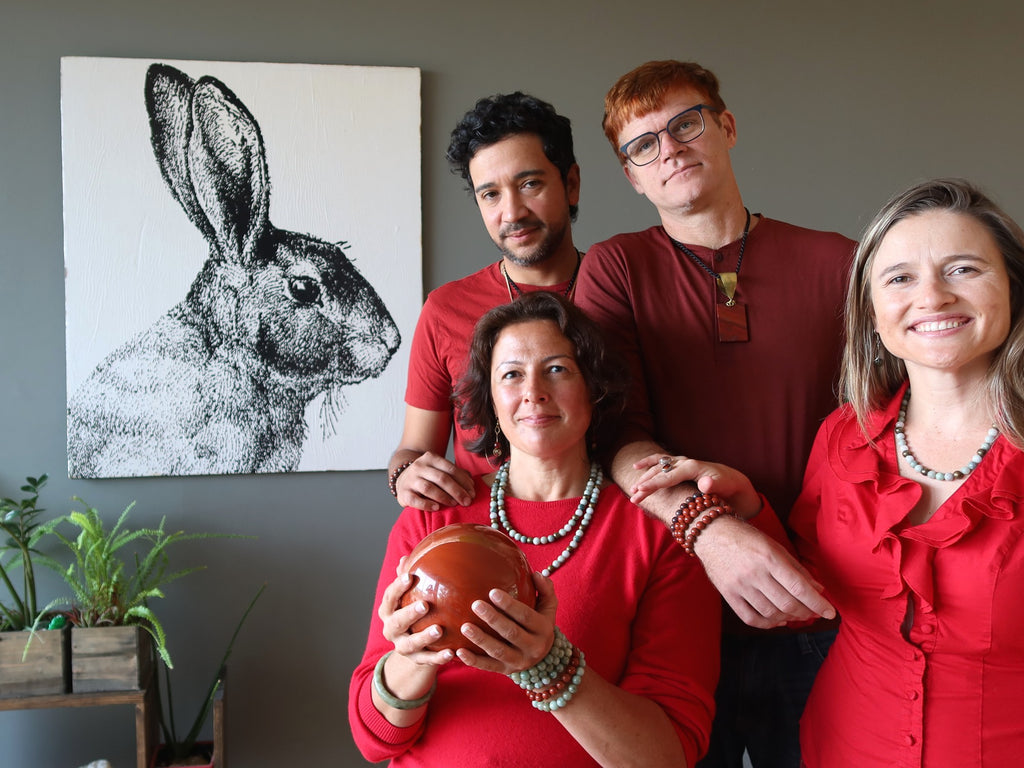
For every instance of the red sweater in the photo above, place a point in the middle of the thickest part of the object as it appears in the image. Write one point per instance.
(621, 599)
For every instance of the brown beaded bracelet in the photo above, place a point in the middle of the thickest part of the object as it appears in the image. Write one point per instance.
(691, 509)
(693, 516)
(393, 477)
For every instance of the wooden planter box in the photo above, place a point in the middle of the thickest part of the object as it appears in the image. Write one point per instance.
(110, 659)
(44, 671)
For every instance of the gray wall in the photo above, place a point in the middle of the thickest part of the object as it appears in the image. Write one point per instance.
(838, 106)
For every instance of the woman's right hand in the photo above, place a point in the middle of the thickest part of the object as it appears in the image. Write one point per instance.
(398, 623)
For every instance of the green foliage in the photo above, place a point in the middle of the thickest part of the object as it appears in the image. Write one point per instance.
(19, 524)
(105, 591)
(182, 748)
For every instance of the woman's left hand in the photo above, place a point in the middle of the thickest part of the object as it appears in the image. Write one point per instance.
(664, 471)
(526, 633)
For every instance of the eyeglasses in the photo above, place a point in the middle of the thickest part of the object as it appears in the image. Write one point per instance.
(684, 128)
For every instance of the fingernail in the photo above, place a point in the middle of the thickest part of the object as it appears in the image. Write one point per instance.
(435, 631)
(479, 606)
(421, 607)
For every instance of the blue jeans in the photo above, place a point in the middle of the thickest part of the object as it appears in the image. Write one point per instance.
(765, 680)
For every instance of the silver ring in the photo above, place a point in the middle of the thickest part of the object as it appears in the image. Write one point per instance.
(667, 462)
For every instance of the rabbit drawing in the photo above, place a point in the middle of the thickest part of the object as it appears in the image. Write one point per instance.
(274, 318)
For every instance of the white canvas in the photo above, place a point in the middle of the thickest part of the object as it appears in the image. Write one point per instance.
(342, 150)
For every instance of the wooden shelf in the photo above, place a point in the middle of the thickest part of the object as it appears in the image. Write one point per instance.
(146, 725)
(145, 712)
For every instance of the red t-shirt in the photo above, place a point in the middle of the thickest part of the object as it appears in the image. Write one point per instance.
(437, 358)
(752, 405)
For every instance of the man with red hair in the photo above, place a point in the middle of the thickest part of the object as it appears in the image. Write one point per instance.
(732, 325)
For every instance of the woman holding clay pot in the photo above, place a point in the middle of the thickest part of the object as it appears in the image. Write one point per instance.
(617, 663)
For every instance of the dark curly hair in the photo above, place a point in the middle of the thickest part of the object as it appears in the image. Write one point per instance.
(497, 117)
(602, 370)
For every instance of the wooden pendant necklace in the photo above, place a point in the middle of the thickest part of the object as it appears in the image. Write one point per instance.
(510, 284)
(731, 316)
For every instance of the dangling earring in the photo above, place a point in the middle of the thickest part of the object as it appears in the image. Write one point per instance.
(878, 349)
(496, 450)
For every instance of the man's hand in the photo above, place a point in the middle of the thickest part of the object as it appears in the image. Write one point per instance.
(759, 579)
(432, 482)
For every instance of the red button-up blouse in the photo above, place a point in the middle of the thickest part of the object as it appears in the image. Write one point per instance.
(928, 668)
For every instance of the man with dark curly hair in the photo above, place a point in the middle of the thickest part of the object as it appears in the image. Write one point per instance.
(515, 154)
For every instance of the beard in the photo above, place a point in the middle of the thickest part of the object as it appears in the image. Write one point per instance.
(535, 254)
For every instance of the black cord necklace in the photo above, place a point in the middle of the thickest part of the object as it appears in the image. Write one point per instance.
(511, 284)
(726, 281)
(731, 317)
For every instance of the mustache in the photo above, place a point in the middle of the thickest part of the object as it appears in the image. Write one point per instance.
(519, 226)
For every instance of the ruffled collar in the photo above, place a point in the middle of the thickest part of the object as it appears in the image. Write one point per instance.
(993, 490)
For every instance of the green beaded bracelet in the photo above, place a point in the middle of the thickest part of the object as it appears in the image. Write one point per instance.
(551, 666)
(388, 697)
(557, 701)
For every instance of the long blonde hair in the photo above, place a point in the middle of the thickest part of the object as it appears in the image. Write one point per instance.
(867, 386)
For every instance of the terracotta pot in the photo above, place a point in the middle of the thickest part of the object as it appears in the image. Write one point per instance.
(458, 564)
(202, 757)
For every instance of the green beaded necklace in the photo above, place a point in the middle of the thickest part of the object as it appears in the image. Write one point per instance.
(579, 521)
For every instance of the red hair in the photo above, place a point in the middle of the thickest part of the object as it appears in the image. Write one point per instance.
(645, 89)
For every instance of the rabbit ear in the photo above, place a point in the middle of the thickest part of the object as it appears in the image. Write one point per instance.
(169, 104)
(228, 167)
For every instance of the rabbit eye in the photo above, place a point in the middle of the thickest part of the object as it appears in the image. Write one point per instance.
(304, 290)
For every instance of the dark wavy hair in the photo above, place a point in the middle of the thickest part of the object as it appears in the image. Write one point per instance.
(602, 370)
(497, 117)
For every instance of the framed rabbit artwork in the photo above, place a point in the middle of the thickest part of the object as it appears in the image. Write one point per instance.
(242, 246)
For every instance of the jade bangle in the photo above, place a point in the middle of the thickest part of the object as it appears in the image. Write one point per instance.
(388, 697)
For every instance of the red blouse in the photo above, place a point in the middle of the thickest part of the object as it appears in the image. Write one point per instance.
(928, 668)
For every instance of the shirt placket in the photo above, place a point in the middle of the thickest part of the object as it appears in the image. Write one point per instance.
(916, 651)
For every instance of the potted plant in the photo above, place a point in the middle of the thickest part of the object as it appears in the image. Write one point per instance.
(26, 668)
(189, 751)
(112, 622)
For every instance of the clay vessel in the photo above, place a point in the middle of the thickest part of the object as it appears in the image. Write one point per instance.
(458, 564)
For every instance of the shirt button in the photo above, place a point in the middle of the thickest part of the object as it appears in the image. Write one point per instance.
(927, 629)
(909, 740)
(718, 258)
(913, 695)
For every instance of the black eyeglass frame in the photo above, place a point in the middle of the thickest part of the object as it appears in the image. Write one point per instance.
(699, 109)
